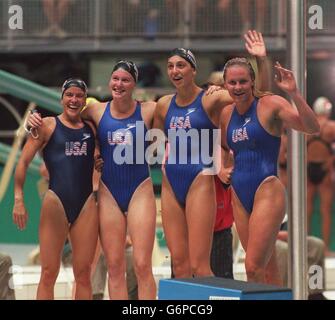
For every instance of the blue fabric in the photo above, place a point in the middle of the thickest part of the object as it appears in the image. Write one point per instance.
(122, 179)
(255, 154)
(69, 158)
(182, 173)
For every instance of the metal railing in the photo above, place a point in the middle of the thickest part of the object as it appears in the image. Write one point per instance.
(152, 19)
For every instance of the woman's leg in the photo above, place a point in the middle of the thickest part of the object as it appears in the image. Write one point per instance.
(272, 273)
(141, 221)
(175, 231)
(53, 230)
(200, 217)
(264, 223)
(113, 226)
(98, 273)
(49, 11)
(84, 236)
(62, 10)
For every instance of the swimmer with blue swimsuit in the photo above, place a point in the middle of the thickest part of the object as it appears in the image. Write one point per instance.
(192, 116)
(122, 180)
(126, 199)
(251, 129)
(188, 191)
(68, 208)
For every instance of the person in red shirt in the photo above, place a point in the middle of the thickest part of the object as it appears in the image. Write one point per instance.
(222, 246)
(221, 261)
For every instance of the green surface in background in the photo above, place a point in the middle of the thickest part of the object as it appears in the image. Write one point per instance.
(8, 231)
(156, 176)
(10, 234)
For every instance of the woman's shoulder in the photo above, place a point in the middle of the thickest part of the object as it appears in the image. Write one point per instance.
(148, 105)
(273, 103)
(49, 120)
(271, 98)
(94, 107)
(220, 94)
(163, 105)
(165, 100)
(94, 111)
(47, 128)
(48, 123)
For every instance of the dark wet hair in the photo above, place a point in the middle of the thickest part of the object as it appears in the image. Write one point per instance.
(128, 66)
(74, 82)
(185, 54)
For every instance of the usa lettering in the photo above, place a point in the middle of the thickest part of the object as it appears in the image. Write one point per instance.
(240, 135)
(75, 148)
(180, 123)
(119, 137)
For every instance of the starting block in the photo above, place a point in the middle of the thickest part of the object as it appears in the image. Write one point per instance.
(215, 288)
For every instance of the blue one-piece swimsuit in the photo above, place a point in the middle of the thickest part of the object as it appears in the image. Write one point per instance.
(255, 154)
(69, 158)
(184, 161)
(122, 174)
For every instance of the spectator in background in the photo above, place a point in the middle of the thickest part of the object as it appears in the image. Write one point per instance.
(320, 158)
(170, 21)
(133, 16)
(315, 246)
(252, 13)
(315, 257)
(222, 246)
(203, 9)
(6, 284)
(246, 14)
(149, 74)
(215, 78)
(151, 23)
(125, 16)
(55, 11)
(117, 19)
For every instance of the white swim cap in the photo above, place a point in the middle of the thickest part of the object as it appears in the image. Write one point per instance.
(322, 106)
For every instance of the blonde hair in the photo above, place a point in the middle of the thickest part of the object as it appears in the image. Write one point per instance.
(216, 78)
(243, 62)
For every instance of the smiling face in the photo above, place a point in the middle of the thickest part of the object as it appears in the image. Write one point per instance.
(180, 71)
(73, 100)
(121, 84)
(238, 82)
